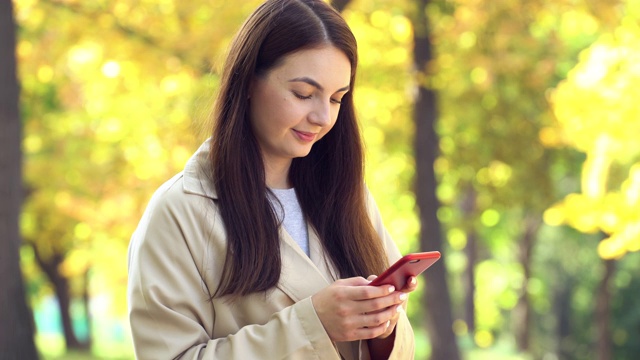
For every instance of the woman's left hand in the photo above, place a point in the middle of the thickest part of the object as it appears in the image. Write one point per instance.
(410, 286)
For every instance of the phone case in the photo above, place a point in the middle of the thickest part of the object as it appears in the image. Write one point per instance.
(409, 265)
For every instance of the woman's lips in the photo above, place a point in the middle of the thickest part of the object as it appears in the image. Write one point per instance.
(304, 136)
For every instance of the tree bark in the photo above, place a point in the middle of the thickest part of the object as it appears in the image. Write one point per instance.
(522, 311)
(471, 251)
(562, 308)
(603, 312)
(16, 329)
(436, 300)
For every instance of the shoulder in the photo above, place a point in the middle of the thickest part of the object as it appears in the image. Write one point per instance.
(174, 198)
(175, 218)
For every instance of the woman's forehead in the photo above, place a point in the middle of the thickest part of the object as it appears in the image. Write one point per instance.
(327, 66)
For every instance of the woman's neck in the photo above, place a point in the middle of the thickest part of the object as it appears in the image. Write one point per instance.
(277, 174)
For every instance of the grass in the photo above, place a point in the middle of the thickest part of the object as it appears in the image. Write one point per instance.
(52, 347)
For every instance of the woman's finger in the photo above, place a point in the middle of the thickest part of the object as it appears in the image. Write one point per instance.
(380, 317)
(359, 293)
(382, 303)
(371, 332)
(411, 285)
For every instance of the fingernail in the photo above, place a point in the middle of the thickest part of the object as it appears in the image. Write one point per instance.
(399, 308)
(387, 324)
(391, 289)
(403, 296)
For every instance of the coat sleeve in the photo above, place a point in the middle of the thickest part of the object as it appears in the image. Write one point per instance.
(404, 344)
(170, 312)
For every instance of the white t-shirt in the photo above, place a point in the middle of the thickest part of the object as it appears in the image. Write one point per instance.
(292, 218)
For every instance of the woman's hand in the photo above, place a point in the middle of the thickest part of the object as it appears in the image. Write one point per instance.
(351, 310)
(381, 346)
(409, 287)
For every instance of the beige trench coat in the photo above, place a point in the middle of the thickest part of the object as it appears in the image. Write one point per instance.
(175, 260)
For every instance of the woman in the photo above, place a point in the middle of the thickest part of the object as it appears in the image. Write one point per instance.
(257, 249)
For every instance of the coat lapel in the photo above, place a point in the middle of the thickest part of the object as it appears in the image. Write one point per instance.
(303, 276)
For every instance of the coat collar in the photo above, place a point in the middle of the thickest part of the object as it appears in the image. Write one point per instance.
(302, 275)
(197, 173)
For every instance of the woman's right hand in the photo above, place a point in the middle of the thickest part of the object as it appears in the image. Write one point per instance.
(350, 310)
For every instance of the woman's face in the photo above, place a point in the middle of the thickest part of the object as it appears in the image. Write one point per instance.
(296, 103)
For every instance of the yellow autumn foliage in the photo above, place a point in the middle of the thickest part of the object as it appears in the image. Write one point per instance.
(598, 113)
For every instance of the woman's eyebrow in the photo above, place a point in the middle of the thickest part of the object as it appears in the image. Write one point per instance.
(314, 83)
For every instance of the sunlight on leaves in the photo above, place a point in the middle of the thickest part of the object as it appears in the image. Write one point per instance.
(597, 112)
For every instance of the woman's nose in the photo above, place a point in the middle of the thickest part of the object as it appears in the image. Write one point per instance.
(321, 114)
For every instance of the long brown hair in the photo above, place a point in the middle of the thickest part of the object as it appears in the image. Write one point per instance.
(329, 181)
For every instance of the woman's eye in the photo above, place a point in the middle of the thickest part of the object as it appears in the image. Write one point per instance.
(336, 101)
(299, 96)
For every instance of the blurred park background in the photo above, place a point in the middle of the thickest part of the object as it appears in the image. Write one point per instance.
(537, 160)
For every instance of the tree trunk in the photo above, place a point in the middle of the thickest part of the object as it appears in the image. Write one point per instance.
(603, 312)
(522, 311)
(16, 329)
(85, 301)
(471, 251)
(437, 301)
(562, 308)
(61, 289)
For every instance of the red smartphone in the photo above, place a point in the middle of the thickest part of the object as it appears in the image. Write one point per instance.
(409, 265)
